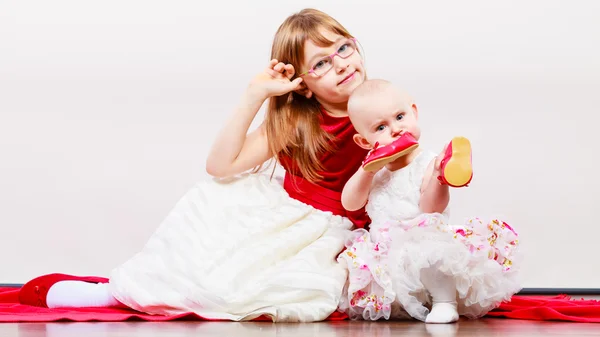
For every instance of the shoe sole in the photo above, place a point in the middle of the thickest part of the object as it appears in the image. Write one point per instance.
(458, 170)
(377, 164)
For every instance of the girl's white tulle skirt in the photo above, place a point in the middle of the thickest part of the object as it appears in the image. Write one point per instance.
(385, 267)
(236, 250)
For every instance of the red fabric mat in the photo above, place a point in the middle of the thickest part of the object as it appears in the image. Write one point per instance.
(561, 308)
(12, 311)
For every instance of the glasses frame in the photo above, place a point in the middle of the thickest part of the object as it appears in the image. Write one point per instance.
(331, 56)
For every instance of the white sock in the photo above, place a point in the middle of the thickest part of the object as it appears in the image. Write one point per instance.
(442, 313)
(79, 294)
(442, 288)
(439, 330)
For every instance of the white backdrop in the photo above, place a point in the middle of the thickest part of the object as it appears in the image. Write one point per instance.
(108, 110)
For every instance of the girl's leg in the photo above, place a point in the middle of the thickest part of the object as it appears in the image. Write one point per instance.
(442, 289)
(79, 294)
(67, 291)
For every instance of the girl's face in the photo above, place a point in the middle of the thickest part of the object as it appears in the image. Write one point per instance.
(334, 71)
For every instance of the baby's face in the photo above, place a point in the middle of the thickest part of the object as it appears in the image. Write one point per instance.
(384, 120)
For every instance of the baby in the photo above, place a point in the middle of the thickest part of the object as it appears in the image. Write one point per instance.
(411, 259)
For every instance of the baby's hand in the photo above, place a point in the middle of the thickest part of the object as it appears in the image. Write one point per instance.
(369, 167)
(371, 151)
(439, 158)
(369, 154)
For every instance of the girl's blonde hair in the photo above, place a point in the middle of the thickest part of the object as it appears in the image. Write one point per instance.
(292, 120)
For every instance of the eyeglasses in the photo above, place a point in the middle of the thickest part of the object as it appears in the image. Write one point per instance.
(325, 64)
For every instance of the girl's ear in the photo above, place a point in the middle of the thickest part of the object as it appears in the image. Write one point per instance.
(362, 142)
(304, 91)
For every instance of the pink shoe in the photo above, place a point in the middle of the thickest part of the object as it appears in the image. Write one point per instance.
(34, 292)
(381, 156)
(457, 167)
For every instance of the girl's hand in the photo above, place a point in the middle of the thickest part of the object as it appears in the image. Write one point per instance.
(275, 80)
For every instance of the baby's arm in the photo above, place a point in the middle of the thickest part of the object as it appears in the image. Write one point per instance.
(356, 191)
(434, 196)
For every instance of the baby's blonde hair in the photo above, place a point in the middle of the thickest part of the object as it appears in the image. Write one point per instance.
(369, 89)
(374, 89)
(366, 92)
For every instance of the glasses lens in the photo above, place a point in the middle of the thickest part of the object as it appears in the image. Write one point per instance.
(347, 49)
(322, 66)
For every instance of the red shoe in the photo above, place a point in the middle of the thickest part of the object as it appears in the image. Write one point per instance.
(456, 167)
(34, 292)
(381, 156)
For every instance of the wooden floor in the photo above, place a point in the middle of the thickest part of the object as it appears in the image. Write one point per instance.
(483, 327)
